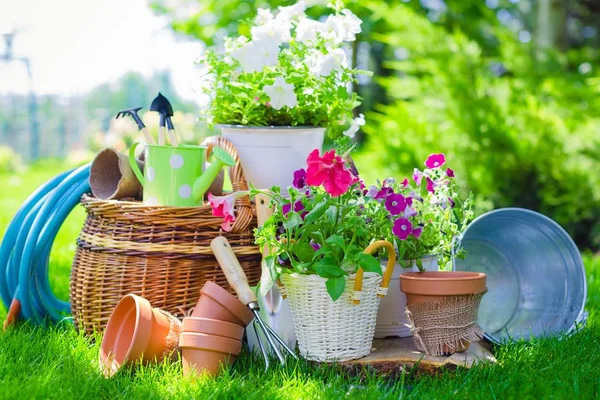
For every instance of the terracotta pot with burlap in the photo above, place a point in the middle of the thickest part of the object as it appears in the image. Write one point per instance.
(159, 253)
(442, 309)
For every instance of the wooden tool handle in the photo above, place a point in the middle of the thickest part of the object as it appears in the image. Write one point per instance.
(161, 135)
(173, 138)
(232, 269)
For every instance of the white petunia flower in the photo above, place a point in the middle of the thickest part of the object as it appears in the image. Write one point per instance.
(323, 64)
(281, 94)
(307, 30)
(275, 30)
(288, 13)
(355, 125)
(257, 55)
(343, 27)
(263, 15)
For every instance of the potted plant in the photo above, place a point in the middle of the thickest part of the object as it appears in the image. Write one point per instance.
(319, 243)
(428, 214)
(275, 93)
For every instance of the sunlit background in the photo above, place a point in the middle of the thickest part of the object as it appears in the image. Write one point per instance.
(508, 89)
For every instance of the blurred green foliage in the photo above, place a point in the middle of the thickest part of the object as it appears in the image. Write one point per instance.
(464, 77)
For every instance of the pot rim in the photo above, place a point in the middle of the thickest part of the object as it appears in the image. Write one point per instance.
(223, 344)
(269, 127)
(443, 276)
(229, 302)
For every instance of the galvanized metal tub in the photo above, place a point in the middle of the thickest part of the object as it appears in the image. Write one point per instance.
(535, 273)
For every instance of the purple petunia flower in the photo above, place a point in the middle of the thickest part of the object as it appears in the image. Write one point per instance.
(384, 193)
(417, 176)
(372, 192)
(450, 173)
(300, 178)
(409, 201)
(389, 181)
(435, 161)
(314, 245)
(409, 212)
(402, 228)
(415, 196)
(430, 186)
(298, 206)
(452, 203)
(417, 232)
(395, 203)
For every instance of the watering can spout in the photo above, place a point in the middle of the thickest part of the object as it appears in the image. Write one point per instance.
(203, 182)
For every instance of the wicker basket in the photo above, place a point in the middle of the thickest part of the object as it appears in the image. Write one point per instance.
(340, 330)
(160, 253)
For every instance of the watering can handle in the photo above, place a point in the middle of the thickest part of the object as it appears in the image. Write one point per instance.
(388, 271)
(134, 165)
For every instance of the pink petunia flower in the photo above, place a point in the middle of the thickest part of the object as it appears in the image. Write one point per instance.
(404, 183)
(402, 228)
(417, 176)
(430, 186)
(417, 232)
(223, 206)
(450, 172)
(330, 172)
(435, 161)
(395, 203)
(384, 192)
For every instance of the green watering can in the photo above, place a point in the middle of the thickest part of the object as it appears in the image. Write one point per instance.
(173, 176)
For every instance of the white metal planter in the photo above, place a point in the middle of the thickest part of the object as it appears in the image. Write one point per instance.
(270, 155)
(329, 331)
(391, 317)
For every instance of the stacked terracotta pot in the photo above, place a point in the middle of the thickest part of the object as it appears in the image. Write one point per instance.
(212, 336)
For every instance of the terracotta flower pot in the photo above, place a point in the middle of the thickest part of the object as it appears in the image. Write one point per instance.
(136, 332)
(206, 354)
(217, 303)
(436, 285)
(213, 327)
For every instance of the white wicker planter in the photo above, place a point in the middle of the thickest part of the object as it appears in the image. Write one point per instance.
(329, 331)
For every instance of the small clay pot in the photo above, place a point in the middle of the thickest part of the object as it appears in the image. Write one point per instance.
(217, 303)
(135, 332)
(436, 285)
(213, 327)
(206, 354)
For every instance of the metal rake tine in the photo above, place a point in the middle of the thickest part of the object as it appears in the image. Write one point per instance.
(268, 336)
(281, 342)
(260, 344)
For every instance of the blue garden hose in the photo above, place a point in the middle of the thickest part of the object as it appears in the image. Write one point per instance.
(25, 249)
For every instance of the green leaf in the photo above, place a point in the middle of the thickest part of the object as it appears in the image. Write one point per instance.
(332, 214)
(293, 220)
(304, 251)
(335, 287)
(336, 241)
(328, 267)
(369, 263)
(268, 275)
(316, 212)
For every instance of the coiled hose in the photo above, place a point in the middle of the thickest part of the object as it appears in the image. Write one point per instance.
(25, 249)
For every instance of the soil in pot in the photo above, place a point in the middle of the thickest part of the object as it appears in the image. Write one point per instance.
(217, 303)
(136, 332)
(213, 327)
(207, 354)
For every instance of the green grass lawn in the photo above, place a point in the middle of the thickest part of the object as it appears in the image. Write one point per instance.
(58, 362)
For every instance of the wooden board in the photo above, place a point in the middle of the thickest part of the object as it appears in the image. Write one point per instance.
(392, 354)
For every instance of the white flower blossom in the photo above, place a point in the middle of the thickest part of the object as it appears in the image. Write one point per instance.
(263, 15)
(324, 64)
(257, 55)
(281, 94)
(288, 13)
(275, 30)
(355, 125)
(307, 30)
(343, 27)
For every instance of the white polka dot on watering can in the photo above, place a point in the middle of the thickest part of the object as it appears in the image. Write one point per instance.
(151, 201)
(176, 161)
(185, 191)
(151, 174)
